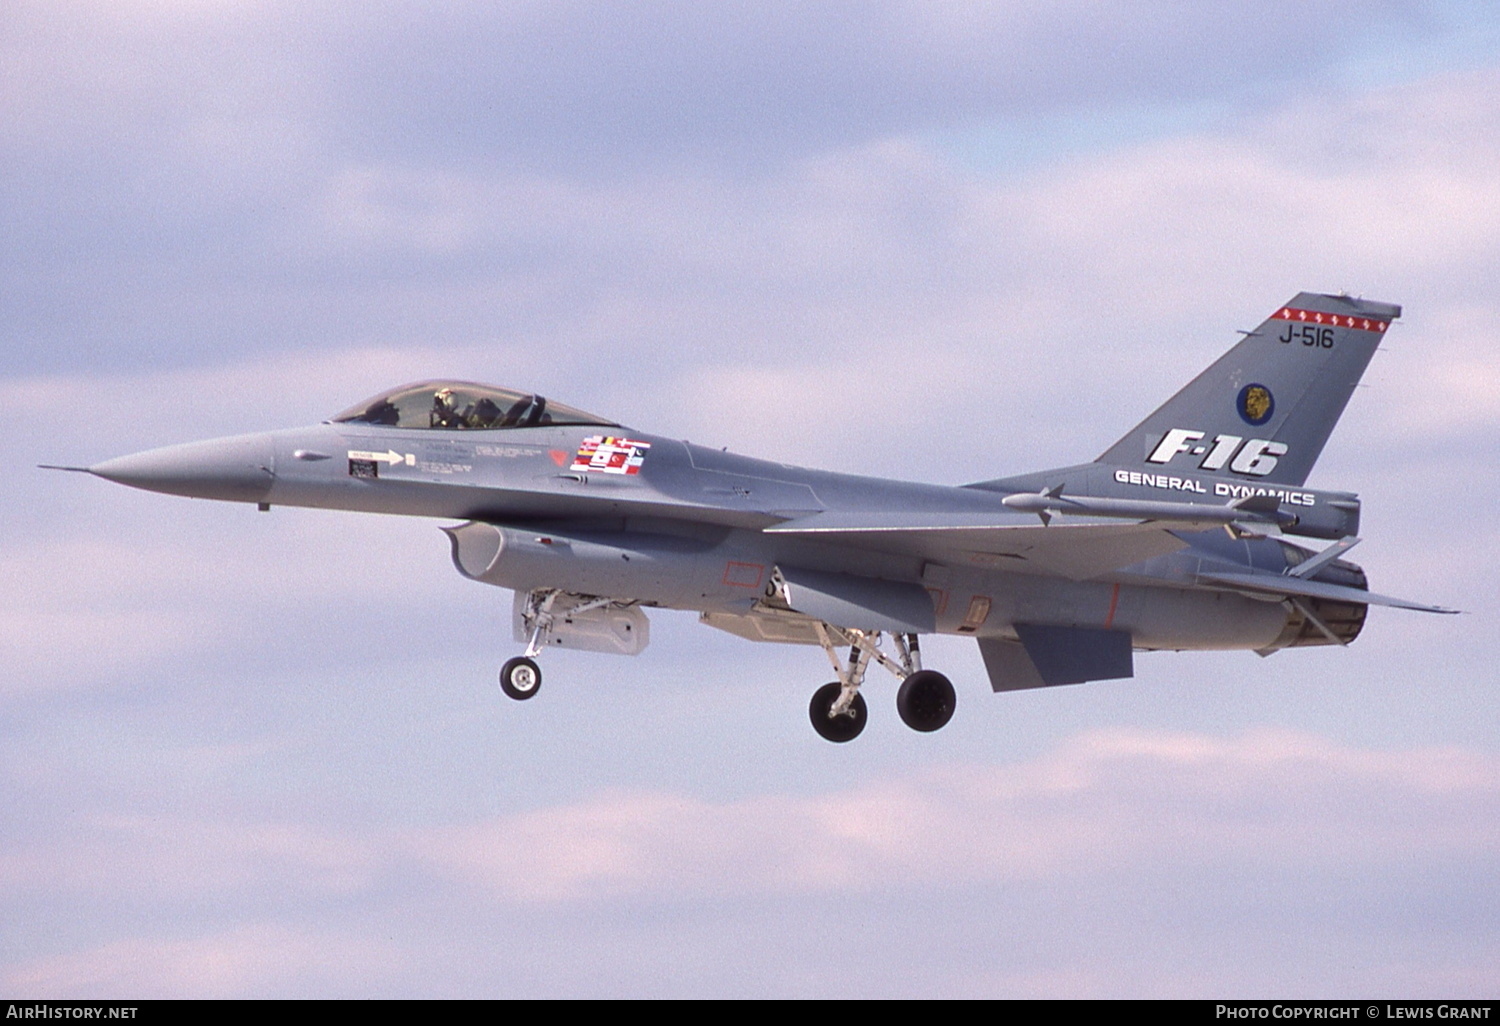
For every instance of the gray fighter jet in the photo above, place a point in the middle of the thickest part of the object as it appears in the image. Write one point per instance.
(1175, 538)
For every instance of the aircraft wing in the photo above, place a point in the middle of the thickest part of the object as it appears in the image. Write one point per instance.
(1075, 551)
(1276, 584)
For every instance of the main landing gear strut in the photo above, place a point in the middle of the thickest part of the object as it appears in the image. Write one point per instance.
(838, 712)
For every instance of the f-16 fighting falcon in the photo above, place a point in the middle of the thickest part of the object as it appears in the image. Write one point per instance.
(1177, 537)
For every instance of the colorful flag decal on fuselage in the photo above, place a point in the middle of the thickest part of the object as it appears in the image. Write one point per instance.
(607, 454)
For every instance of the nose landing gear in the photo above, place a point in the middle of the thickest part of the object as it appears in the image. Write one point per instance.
(548, 617)
(520, 678)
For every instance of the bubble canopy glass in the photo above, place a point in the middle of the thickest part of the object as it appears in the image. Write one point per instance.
(463, 406)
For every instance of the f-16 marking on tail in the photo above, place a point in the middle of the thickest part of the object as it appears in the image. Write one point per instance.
(1256, 457)
(1061, 575)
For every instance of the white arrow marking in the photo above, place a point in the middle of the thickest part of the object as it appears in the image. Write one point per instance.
(392, 457)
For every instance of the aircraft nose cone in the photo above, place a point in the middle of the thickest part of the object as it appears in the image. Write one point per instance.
(239, 469)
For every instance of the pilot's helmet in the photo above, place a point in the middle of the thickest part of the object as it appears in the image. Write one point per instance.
(443, 398)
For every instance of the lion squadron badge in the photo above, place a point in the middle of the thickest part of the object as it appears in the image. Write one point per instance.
(1255, 404)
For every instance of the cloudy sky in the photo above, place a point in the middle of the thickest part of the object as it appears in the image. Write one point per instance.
(263, 754)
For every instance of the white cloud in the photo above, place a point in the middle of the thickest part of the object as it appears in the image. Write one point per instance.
(1456, 389)
(1107, 803)
(252, 961)
(1216, 814)
(1102, 803)
(155, 587)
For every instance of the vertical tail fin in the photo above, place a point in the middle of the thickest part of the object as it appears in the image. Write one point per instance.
(1264, 410)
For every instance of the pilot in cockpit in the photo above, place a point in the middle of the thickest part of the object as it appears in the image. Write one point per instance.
(483, 414)
(445, 413)
(464, 406)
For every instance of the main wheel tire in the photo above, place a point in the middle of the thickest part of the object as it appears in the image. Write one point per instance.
(841, 728)
(520, 678)
(926, 700)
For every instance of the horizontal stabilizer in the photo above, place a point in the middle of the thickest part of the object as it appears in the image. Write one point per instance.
(1275, 584)
(1048, 655)
(1308, 567)
(1076, 551)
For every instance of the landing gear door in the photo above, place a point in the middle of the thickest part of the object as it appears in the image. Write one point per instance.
(586, 625)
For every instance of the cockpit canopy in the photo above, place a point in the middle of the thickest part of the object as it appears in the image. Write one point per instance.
(463, 406)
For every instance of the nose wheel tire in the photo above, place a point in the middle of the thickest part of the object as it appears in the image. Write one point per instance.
(926, 700)
(843, 727)
(520, 678)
